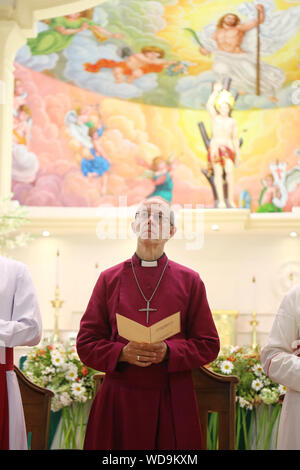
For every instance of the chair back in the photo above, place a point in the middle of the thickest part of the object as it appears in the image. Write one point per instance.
(36, 405)
(214, 393)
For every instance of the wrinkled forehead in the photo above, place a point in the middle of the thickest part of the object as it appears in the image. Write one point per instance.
(155, 206)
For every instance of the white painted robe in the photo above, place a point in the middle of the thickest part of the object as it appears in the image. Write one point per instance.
(282, 365)
(20, 325)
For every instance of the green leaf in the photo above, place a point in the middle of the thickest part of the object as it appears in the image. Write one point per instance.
(194, 34)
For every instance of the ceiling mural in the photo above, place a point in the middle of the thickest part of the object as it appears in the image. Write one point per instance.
(170, 52)
(193, 101)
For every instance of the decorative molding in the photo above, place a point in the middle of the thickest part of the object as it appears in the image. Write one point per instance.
(71, 220)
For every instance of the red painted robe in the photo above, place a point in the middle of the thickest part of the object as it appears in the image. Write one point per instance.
(152, 407)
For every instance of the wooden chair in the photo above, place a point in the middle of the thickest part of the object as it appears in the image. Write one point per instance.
(36, 404)
(214, 393)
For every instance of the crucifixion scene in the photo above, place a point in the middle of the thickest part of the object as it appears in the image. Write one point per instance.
(149, 228)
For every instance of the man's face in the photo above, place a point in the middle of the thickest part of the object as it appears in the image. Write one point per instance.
(224, 109)
(152, 222)
(230, 20)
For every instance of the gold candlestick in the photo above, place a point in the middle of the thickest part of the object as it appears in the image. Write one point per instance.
(254, 324)
(56, 304)
(291, 278)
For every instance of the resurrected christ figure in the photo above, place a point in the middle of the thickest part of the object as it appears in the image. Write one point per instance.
(147, 399)
(232, 60)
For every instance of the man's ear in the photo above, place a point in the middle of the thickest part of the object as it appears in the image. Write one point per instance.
(173, 230)
(133, 226)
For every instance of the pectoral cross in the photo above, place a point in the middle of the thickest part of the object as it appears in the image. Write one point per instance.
(147, 309)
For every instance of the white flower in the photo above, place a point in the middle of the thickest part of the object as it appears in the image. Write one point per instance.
(256, 384)
(233, 349)
(72, 372)
(282, 389)
(73, 355)
(258, 370)
(269, 396)
(48, 370)
(65, 399)
(57, 359)
(78, 389)
(226, 367)
(245, 403)
(55, 403)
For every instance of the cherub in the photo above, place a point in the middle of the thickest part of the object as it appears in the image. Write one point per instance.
(22, 125)
(160, 172)
(20, 95)
(149, 60)
(268, 194)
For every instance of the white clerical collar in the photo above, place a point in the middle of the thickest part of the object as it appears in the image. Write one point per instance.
(149, 264)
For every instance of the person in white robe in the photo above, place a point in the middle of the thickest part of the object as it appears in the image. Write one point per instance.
(281, 362)
(20, 325)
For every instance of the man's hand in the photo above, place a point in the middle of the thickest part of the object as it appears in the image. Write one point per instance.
(143, 354)
(217, 87)
(237, 160)
(204, 51)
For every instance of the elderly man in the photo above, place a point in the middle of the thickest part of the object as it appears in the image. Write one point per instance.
(20, 325)
(147, 399)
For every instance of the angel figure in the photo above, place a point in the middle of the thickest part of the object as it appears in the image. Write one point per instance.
(25, 164)
(78, 122)
(61, 31)
(268, 195)
(237, 46)
(20, 95)
(22, 123)
(135, 65)
(97, 165)
(159, 170)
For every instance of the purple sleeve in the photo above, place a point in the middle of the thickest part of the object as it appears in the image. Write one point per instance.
(94, 345)
(201, 344)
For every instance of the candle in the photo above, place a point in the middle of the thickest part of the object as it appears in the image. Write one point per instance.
(254, 293)
(57, 269)
(97, 272)
(291, 277)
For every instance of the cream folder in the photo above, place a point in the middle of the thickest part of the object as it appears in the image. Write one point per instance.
(161, 330)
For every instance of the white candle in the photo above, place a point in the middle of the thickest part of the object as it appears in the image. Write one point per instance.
(97, 272)
(254, 294)
(291, 276)
(57, 268)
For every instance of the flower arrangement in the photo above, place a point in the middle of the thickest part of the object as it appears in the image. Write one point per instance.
(12, 217)
(254, 386)
(58, 368)
(258, 398)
